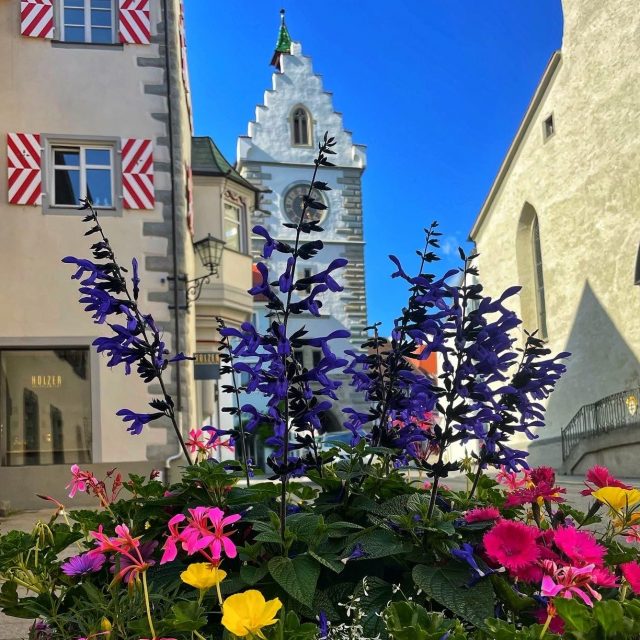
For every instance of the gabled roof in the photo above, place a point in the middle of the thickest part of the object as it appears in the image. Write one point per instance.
(531, 111)
(207, 160)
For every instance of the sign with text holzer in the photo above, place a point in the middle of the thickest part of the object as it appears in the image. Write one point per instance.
(206, 365)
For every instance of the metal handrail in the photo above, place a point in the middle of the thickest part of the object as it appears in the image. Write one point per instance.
(613, 412)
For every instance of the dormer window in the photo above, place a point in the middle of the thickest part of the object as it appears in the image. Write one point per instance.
(300, 127)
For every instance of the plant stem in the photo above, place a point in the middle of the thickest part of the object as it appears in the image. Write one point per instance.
(546, 626)
(243, 443)
(142, 324)
(285, 320)
(476, 479)
(148, 604)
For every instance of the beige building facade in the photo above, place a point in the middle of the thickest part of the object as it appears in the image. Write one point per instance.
(562, 219)
(95, 102)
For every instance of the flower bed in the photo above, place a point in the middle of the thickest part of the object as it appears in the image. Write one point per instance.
(340, 543)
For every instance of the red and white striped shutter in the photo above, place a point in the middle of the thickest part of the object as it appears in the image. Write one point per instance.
(190, 218)
(135, 21)
(24, 157)
(36, 18)
(137, 174)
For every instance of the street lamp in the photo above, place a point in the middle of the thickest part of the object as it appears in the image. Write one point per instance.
(209, 250)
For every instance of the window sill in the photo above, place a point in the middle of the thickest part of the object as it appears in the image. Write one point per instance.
(74, 211)
(61, 44)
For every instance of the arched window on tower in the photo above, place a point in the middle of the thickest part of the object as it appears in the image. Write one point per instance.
(531, 272)
(300, 127)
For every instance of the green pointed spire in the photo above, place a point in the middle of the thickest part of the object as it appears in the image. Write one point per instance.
(283, 45)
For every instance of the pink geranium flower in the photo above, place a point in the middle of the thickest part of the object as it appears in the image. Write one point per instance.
(631, 573)
(86, 482)
(203, 532)
(512, 544)
(513, 480)
(130, 558)
(601, 477)
(481, 514)
(568, 582)
(579, 546)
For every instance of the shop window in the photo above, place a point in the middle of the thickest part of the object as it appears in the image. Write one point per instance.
(45, 406)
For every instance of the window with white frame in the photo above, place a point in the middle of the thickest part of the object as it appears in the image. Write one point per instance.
(82, 171)
(88, 21)
(233, 228)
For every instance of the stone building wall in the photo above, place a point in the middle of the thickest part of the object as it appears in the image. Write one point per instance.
(583, 182)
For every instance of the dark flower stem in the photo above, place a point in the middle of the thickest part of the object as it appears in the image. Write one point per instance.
(285, 321)
(243, 440)
(450, 396)
(169, 412)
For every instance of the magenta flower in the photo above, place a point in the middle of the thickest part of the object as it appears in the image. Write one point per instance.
(579, 546)
(481, 514)
(601, 477)
(203, 532)
(631, 573)
(568, 582)
(512, 544)
(83, 564)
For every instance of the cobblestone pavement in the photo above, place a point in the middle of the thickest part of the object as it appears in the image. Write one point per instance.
(13, 629)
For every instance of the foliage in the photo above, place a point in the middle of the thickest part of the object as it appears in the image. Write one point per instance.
(361, 541)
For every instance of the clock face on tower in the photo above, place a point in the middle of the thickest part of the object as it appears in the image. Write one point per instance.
(294, 202)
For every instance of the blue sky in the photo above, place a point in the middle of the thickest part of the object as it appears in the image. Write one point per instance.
(435, 89)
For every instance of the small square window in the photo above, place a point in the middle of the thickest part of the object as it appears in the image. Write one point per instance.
(548, 127)
(88, 21)
(82, 171)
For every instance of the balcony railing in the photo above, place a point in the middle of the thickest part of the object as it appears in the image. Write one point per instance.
(613, 412)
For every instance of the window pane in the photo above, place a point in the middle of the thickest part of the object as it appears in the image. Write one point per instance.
(67, 186)
(101, 35)
(45, 406)
(74, 16)
(232, 212)
(73, 3)
(101, 18)
(74, 34)
(99, 187)
(66, 157)
(101, 4)
(98, 156)
(232, 235)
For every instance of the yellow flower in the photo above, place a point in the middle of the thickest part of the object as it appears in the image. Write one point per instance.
(203, 575)
(616, 498)
(246, 613)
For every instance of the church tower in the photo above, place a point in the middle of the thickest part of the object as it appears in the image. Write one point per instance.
(277, 156)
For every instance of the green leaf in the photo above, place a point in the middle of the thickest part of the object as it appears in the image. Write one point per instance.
(305, 526)
(331, 562)
(447, 586)
(257, 493)
(610, 616)
(186, 616)
(380, 543)
(252, 574)
(298, 577)
(577, 616)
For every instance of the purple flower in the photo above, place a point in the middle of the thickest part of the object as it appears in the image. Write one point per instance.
(356, 553)
(323, 625)
(83, 564)
(40, 630)
(137, 420)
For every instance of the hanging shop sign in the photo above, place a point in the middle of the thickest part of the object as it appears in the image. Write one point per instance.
(206, 365)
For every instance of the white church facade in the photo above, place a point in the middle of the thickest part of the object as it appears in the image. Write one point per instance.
(277, 156)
